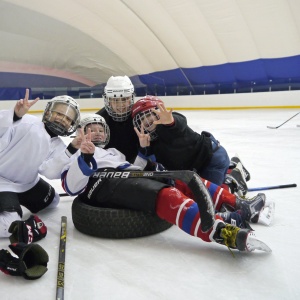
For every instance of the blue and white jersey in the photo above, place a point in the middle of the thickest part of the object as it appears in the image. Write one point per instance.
(77, 173)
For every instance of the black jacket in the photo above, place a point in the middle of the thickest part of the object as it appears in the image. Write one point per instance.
(178, 147)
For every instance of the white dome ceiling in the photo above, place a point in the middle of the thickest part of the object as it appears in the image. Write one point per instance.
(161, 42)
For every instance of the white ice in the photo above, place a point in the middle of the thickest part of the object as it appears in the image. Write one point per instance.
(173, 265)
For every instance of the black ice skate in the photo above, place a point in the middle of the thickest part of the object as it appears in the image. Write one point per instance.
(236, 181)
(265, 216)
(234, 161)
(251, 208)
(235, 218)
(237, 238)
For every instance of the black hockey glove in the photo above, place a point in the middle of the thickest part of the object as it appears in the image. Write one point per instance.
(31, 262)
(29, 231)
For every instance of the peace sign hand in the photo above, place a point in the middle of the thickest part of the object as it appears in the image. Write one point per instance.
(23, 105)
(144, 138)
(86, 147)
(76, 142)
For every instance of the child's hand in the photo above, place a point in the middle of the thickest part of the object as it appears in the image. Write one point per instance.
(165, 117)
(144, 138)
(23, 105)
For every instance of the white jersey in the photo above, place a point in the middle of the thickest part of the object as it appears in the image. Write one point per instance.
(27, 150)
(77, 173)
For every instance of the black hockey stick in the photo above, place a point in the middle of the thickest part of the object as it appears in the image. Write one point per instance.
(192, 179)
(60, 286)
(263, 188)
(275, 127)
(274, 187)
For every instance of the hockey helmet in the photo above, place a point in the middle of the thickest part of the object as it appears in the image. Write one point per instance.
(62, 115)
(119, 97)
(101, 138)
(142, 113)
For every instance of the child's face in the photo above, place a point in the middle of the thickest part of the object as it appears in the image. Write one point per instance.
(63, 115)
(98, 132)
(120, 105)
(147, 120)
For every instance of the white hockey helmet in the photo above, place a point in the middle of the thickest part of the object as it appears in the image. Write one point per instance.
(62, 115)
(119, 97)
(97, 119)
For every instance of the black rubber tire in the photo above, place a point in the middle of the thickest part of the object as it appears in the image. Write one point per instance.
(115, 223)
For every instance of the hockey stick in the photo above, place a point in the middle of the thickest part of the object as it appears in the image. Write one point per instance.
(275, 127)
(274, 187)
(192, 179)
(60, 286)
(284, 186)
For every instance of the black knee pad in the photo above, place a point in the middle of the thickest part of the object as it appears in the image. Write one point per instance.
(38, 197)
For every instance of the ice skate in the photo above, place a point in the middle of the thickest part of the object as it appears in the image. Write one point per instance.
(251, 207)
(236, 181)
(235, 218)
(237, 238)
(235, 160)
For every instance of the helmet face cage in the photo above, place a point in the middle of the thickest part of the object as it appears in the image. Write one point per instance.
(96, 119)
(142, 113)
(146, 117)
(119, 97)
(62, 115)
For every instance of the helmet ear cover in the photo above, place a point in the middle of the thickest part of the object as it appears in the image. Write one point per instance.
(67, 109)
(96, 119)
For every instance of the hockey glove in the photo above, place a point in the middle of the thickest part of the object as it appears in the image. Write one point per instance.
(29, 231)
(31, 262)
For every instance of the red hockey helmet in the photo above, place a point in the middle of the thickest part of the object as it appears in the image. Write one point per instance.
(144, 104)
(142, 113)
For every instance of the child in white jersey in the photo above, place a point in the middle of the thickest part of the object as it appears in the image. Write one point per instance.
(29, 147)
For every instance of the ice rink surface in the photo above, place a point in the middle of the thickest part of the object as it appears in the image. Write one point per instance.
(173, 265)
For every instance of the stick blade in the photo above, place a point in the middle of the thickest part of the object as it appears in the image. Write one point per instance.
(272, 127)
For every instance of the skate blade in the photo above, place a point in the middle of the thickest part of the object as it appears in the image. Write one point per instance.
(253, 243)
(267, 214)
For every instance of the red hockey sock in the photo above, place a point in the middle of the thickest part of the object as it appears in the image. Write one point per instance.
(225, 187)
(173, 206)
(219, 195)
(183, 188)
